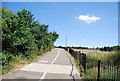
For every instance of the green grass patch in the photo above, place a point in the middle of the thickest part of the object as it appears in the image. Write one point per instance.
(92, 57)
(12, 62)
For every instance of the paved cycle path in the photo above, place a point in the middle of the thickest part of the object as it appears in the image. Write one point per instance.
(57, 64)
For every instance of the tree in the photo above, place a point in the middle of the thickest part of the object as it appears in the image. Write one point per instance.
(22, 34)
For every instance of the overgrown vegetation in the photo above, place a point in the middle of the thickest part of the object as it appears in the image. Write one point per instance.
(108, 59)
(23, 38)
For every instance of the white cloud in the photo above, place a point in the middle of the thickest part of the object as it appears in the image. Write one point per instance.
(88, 19)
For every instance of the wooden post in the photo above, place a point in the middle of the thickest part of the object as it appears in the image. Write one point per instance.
(71, 52)
(84, 61)
(74, 54)
(79, 58)
(78, 55)
(98, 79)
(68, 50)
(117, 70)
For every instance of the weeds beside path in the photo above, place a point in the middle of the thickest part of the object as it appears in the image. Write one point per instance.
(17, 62)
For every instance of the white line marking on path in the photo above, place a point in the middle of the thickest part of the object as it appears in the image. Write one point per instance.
(44, 74)
(43, 61)
(56, 57)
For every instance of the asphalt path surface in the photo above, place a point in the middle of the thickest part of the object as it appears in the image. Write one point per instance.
(56, 64)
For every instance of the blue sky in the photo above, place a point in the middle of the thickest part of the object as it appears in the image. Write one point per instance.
(92, 24)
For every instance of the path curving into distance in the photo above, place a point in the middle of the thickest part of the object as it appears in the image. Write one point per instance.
(56, 64)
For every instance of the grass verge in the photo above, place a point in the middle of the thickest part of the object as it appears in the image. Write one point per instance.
(91, 65)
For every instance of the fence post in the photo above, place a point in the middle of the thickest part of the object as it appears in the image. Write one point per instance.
(98, 78)
(117, 72)
(74, 54)
(79, 58)
(71, 52)
(84, 61)
(78, 55)
(68, 50)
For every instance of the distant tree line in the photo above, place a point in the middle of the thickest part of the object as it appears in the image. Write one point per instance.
(108, 48)
(22, 34)
(105, 48)
(80, 47)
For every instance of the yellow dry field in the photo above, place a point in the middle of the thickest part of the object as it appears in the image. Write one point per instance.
(96, 54)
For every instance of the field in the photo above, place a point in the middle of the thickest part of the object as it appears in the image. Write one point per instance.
(96, 54)
(108, 59)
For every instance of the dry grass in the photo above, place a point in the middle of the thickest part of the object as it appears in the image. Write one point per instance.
(16, 63)
(96, 54)
(92, 73)
(93, 56)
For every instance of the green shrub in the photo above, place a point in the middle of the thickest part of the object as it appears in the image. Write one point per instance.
(6, 58)
(114, 58)
(109, 75)
(23, 36)
(92, 63)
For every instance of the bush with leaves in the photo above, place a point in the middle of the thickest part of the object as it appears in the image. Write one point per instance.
(22, 34)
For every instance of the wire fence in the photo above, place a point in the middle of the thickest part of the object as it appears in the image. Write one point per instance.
(109, 71)
(95, 69)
